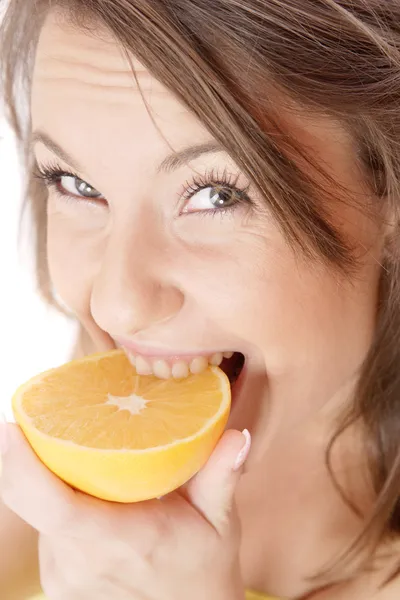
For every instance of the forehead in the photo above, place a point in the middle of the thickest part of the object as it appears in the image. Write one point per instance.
(79, 77)
(84, 91)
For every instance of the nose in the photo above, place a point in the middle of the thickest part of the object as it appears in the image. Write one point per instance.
(131, 291)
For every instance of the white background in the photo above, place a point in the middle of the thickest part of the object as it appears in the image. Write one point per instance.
(33, 336)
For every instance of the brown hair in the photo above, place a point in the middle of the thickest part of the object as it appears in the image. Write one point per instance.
(228, 61)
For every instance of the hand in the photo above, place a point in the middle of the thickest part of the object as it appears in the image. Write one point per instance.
(185, 545)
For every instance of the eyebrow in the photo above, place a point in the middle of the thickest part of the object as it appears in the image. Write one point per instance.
(171, 163)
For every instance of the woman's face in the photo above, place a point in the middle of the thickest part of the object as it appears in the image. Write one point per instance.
(150, 254)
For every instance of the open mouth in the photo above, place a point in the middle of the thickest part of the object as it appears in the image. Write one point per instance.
(233, 367)
(180, 367)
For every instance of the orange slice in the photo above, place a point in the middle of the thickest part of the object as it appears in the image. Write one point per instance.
(118, 435)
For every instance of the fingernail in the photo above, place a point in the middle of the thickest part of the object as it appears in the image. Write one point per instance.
(243, 454)
(3, 434)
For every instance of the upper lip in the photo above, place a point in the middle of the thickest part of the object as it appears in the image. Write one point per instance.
(153, 351)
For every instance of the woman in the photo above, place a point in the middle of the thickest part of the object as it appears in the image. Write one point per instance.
(213, 176)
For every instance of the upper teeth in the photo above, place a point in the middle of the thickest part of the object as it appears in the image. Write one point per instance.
(179, 369)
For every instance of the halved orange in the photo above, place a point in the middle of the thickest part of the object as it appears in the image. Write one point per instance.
(120, 436)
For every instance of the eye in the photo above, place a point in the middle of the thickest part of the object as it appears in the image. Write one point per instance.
(215, 192)
(73, 186)
(215, 197)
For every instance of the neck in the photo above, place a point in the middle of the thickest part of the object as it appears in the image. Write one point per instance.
(295, 522)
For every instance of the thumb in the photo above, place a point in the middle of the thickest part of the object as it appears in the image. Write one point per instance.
(212, 490)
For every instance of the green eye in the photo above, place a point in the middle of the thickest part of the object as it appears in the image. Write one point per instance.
(77, 187)
(213, 197)
(223, 197)
(85, 189)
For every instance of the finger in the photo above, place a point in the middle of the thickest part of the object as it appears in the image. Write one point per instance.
(212, 490)
(40, 498)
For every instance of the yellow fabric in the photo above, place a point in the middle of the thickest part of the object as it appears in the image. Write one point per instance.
(249, 596)
(255, 596)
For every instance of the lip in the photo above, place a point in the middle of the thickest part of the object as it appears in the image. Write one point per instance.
(157, 352)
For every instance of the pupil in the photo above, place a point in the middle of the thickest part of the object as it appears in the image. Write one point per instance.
(222, 197)
(85, 189)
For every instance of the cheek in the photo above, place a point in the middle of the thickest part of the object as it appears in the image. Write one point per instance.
(251, 287)
(265, 307)
(293, 311)
(72, 260)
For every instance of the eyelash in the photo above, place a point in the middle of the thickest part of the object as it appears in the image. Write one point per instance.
(213, 178)
(52, 173)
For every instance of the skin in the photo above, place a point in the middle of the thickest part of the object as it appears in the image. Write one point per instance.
(135, 265)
